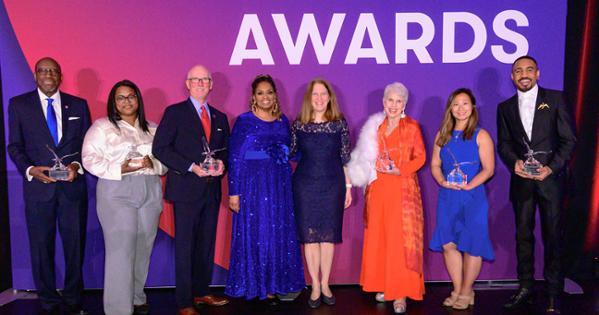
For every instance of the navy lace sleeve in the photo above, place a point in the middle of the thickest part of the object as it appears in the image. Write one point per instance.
(345, 145)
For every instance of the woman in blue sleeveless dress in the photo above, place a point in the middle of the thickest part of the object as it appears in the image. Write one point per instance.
(462, 232)
(265, 253)
(321, 189)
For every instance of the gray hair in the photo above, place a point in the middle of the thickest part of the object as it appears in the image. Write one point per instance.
(398, 88)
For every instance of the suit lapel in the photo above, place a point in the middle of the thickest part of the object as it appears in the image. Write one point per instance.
(195, 120)
(539, 115)
(38, 118)
(515, 112)
(65, 110)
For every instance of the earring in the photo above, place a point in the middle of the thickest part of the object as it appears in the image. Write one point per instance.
(403, 113)
(253, 105)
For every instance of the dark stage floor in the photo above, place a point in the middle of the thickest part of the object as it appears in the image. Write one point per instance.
(350, 300)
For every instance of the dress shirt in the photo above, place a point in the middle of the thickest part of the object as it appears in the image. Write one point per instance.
(526, 106)
(105, 148)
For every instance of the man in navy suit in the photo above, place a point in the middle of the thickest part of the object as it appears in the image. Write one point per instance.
(537, 118)
(194, 191)
(38, 120)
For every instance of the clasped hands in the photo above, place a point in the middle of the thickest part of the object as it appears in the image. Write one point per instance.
(198, 170)
(543, 171)
(39, 173)
(145, 163)
(447, 185)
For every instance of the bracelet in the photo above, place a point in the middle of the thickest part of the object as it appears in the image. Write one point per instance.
(348, 186)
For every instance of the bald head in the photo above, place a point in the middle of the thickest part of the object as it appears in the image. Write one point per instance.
(199, 82)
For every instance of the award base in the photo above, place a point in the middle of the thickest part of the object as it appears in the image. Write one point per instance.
(136, 162)
(59, 174)
(532, 169)
(457, 177)
(209, 165)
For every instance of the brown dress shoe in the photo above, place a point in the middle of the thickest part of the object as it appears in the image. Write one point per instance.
(211, 300)
(187, 311)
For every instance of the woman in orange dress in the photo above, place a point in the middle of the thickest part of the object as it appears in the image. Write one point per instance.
(388, 154)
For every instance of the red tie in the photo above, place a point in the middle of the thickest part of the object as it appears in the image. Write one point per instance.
(205, 123)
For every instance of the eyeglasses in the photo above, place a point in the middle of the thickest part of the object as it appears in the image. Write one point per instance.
(121, 99)
(48, 71)
(204, 80)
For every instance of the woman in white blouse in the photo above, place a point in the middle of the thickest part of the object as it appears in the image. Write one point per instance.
(117, 149)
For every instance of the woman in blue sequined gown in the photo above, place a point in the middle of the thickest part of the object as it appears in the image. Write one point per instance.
(265, 253)
(321, 190)
(462, 231)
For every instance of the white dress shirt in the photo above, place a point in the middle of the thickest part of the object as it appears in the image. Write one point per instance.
(105, 148)
(526, 106)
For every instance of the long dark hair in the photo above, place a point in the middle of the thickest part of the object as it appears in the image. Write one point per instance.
(276, 110)
(448, 122)
(113, 114)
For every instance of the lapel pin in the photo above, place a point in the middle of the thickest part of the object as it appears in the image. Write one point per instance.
(543, 106)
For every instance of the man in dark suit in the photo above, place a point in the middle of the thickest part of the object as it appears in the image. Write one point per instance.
(194, 190)
(537, 118)
(38, 120)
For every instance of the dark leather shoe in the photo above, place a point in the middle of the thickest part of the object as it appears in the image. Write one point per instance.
(187, 311)
(553, 306)
(313, 303)
(76, 310)
(522, 297)
(143, 309)
(328, 300)
(272, 301)
(211, 300)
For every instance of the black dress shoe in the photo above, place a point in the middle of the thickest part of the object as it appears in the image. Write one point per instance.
(521, 298)
(272, 301)
(553, 305)
(313, 303)
(328, 300)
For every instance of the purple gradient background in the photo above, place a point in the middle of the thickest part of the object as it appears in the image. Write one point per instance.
(154, 43)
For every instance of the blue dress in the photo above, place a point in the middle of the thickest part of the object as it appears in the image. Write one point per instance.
(265, 253)
(462, 216)
(319, 181)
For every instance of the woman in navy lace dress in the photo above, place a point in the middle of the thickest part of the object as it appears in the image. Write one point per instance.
(265, 253)
(321, 189)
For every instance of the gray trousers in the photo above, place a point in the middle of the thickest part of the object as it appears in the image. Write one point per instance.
(129, 211)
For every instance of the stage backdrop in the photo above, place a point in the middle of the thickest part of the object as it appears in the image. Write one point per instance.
(433, 47)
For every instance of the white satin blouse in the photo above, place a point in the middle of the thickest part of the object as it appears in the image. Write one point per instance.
(105, 148)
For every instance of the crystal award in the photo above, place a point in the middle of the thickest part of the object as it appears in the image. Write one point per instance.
(383, 160)
(532, 165)
(59, 171)
(210, 163)
(457, 176)
(135, 158)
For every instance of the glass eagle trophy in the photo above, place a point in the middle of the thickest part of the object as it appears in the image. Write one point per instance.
(532, 165)
(59, 171)
(383, 160)
(457, 176)
(209, 163)
(134, 157)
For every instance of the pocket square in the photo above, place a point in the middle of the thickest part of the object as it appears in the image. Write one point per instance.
(218, 129)
(74, 118)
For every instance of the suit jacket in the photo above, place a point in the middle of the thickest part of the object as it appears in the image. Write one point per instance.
(29, 135)
(178, 144)
(552, 130)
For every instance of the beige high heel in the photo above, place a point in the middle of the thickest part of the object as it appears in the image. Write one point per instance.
(463, 302)
(400, 306)
(450, 300)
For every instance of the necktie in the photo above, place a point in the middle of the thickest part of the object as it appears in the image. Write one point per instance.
(51, 120)
(205, 123)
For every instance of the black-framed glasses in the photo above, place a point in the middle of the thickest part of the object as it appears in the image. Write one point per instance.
(121, 99)
(48, 71)
(204, 80)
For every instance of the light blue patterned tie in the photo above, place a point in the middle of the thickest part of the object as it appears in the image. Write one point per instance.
(51, 120)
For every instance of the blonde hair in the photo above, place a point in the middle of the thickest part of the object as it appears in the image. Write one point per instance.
(332, 112)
